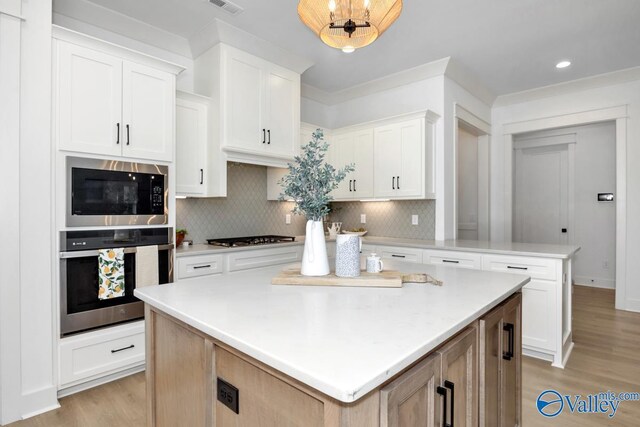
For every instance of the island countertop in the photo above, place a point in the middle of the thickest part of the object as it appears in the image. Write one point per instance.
(343, 342)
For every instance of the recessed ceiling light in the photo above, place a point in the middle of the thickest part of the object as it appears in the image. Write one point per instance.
(348, 49)
(563, 64)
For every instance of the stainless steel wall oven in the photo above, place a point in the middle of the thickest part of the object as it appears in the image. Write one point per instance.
(80, 307)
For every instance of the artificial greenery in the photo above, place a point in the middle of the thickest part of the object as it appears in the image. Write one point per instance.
(310, 179)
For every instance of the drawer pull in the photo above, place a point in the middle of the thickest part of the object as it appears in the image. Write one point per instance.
(517, 268)
(509, 328)
(197, 267)
(451, 261)
(398, 256)
(122, 349)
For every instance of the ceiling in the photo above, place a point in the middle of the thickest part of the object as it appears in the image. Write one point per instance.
(508, 45)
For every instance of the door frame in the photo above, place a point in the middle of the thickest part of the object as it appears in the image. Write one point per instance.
(619, 115)
(482, 130)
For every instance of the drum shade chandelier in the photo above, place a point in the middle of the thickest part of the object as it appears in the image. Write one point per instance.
(349, 24)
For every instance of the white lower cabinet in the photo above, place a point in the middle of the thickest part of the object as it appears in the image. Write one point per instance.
(245, 260)
(92, 355)
(453, 259)
(200, 265)
(539, 315)
(400, 254)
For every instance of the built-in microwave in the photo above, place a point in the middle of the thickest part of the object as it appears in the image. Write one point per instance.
(113, 192)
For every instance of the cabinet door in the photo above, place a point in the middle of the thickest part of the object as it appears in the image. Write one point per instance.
(460, 379)
(410, 144)
(244, 103)
(148, 112)
(282, 112)
(539, 315)
(342, 154)
(89, 100)
(363, 159)
(490, 378)
(387, 160)
(191, 147)
(411, 400)
(511, 389)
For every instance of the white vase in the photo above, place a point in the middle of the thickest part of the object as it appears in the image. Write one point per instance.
(314, 257)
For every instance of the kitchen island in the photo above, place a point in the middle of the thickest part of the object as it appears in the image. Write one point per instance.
(236, 350)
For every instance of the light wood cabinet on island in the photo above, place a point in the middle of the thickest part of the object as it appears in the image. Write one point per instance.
(193, 379)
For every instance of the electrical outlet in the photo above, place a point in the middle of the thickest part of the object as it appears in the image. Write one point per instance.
(287, 219)
(228, 395)
(414, 219)
(363, 218)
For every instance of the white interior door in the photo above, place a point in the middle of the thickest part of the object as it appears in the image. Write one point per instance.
(541, 197)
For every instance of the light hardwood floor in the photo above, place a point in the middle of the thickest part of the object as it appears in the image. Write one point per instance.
(606, 357)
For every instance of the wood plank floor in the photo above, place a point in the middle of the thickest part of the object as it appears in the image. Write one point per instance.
(606, 357)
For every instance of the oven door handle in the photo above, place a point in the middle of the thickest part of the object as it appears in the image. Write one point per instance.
(95, 252)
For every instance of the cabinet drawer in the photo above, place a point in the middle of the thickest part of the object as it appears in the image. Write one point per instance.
(453, 259)
(95, 354)
(246, 260)
(200, 265)
(537, 268)
(400, 254)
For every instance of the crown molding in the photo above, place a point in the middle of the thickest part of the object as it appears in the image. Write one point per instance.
(468, 81)
(586, 83)
(95, 20)
(218, 31)
(401, 78)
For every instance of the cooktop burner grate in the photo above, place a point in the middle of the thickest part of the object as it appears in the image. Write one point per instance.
(230, 242)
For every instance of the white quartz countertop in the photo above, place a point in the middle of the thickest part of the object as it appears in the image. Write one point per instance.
(500, 248)
(343, 342)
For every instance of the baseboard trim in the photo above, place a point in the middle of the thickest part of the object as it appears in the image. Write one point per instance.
(596, 283)
(39, 402)
(99, 381)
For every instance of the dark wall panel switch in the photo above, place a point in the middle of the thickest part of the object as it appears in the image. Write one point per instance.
(605, 197)
(228, 395)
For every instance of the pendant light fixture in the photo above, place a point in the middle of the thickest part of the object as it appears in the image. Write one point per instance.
(349, 24)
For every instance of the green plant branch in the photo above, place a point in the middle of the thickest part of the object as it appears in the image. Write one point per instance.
(311, 180)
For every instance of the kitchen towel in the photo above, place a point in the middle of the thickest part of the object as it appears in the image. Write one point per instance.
(110, 273)
(146, 266)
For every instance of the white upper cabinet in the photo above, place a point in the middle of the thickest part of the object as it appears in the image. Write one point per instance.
(112, 101)
(260, 109)
(89, 100)
(354, 147)
(400, 160)
(191, 144)
(147, 112)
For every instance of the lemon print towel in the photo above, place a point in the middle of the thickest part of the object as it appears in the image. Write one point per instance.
(111, 273)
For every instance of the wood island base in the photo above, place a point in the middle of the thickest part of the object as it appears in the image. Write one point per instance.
(472, 379)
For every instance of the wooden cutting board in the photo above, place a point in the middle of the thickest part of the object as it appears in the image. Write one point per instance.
(385, 279)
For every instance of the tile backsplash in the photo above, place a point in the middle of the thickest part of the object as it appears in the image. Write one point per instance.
(246, 211)
(389, 219)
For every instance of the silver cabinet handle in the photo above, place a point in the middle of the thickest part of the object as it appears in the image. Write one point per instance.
(80, 254)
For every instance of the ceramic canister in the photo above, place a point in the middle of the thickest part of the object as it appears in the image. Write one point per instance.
(348, 255)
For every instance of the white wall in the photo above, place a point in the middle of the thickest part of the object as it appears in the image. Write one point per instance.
(571, 102)
(467, 185)
(26, 315)
(594, 223)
